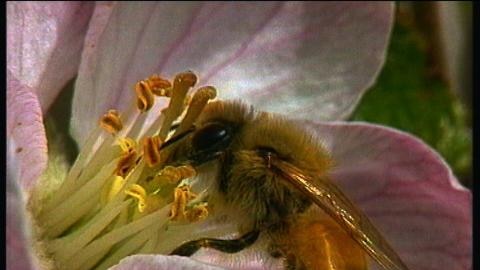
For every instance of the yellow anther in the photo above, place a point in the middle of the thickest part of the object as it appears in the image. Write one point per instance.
(175, 174)
(126, 144)
(112, 189)
(159, 86)
(151, 150)
(145, 98)
(179, 203)
(182, 83)
(185, 79)
(139, 193)
(198, 212)
(126, 163)
(188, 192)
(195, 107)
(111, 122)
(205, 93)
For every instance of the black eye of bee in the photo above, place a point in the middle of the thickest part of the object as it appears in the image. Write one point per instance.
(213, 136)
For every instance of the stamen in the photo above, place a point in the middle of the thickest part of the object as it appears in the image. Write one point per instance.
(151, 150)
(139, 193)
(111, 122)
(179, 203)
(112, 189)
(173, 175)
(126, 144)
(159, 86)
(126, 163)
(182, 83)
(197, 103)
(197, 213)
(145, 98)
(88, 222)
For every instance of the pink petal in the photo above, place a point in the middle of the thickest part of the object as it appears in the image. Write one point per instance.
(44, 42)
(25, 129)
(159, 262)
(255, 257)
(408, 191)
(284, 57)
(18, 256)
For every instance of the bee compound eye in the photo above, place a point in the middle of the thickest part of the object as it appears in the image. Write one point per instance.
(211, 136)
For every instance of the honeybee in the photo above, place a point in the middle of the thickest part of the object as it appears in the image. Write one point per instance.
(276, 175)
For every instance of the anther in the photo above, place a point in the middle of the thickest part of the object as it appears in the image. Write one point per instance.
(126, 144)
(145, 98)
(175, 174)
(197, 213)
(179, 203)
(126, 163)
(111, 122)
(140, 194)
(185, 79)
(159, 86)
(151, 150)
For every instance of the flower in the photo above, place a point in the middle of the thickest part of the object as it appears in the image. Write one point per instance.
(310, 61)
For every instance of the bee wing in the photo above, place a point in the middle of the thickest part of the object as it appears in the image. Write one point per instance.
(334, 202)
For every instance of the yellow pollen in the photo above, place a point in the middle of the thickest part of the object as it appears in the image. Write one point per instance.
(126, 163)
(111, 122)
(139, 193)
(151, 150)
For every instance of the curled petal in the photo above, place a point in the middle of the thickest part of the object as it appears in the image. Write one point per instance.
(160, 262)
(282, 56)
(44, 42)
(25, 129)
(18, 253)
(408, 191)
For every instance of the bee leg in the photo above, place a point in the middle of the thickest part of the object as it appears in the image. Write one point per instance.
(228, 246)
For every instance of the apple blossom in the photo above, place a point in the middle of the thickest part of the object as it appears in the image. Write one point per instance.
(309, 61)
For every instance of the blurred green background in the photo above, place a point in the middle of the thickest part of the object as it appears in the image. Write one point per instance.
(419, 89)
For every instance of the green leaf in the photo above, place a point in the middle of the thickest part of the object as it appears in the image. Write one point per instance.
(408, 98)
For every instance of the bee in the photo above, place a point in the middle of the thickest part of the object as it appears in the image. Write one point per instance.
(276, 175)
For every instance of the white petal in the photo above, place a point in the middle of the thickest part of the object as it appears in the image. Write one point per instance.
(159, 262)
(284, 57)
(407, 190)
(44, 42)
(25, 128)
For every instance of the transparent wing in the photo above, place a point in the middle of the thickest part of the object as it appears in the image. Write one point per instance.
(332, 200)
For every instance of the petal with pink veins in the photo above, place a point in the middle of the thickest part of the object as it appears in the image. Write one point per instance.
(44, 43)
(303, 59)
(25, 128)
(160, 262)
(407, 189)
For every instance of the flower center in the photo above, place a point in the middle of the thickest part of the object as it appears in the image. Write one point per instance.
(119, 198)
